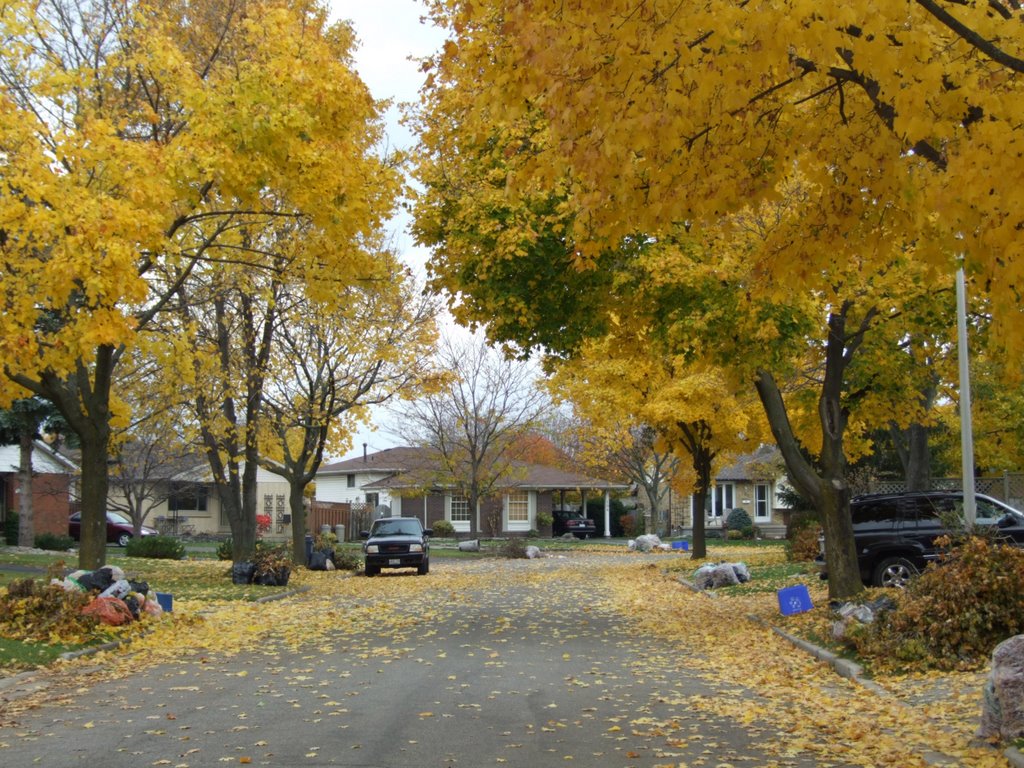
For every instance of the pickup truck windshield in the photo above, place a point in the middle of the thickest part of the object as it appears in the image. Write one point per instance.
(397, 528)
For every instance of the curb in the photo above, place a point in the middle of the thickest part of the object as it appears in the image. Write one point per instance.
(855, 672)
(1015, 757)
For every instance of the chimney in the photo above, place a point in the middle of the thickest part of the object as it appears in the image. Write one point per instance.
(364, 453)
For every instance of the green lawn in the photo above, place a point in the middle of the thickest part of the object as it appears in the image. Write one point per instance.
(16, 655)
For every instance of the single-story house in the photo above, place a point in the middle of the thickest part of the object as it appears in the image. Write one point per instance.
(186, 502)
(410, 481)
(751, 483)
(52, 479)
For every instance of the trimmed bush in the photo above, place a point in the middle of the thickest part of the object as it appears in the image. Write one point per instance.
(54, 542)
(954, 614)
(224, 549)
(739, 520)
(11, 528)
(155, 547)
(616, 510)
(443, 529)
(347, 560)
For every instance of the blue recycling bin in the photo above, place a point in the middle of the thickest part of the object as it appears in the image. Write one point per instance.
(683, 545)
(794, 599)
(166, 601)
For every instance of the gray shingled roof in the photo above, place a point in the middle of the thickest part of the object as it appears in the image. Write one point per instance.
(750, 466)
(409, 467)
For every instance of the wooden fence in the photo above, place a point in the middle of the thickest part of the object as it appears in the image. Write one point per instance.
(355, 517)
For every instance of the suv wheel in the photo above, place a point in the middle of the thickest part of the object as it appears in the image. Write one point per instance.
(894, 572)
(424, 568)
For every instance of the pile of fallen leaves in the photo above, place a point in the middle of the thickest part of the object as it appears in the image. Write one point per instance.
(45, 613)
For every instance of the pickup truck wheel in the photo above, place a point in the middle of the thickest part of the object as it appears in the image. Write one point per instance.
(894, 572)
(423, 568)
(371, 570)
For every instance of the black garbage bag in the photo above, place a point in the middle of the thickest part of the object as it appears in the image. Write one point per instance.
(99, 579)
(133, 605)
(278, 578)
(318, 561)
(141, 587)
(242, 573)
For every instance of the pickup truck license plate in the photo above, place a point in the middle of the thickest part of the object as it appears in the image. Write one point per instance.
(394, 561)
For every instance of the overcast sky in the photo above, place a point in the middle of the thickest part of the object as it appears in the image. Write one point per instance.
(390, 38)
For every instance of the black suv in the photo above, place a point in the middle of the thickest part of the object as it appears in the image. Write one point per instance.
(397, 542)
(895, 533)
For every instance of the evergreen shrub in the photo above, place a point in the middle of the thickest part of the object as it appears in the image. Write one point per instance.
(54, 542)
(155, 547)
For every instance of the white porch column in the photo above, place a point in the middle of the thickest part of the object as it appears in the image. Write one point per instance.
(607, 514)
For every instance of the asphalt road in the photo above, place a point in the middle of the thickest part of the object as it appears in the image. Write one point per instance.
(508, 663)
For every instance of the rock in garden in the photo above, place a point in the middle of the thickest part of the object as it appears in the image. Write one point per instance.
(1002, 715)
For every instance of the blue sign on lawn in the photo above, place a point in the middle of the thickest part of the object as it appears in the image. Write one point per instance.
(794, 599)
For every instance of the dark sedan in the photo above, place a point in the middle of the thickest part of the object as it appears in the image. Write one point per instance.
(566, 521)
(397, 542)
(119, 528)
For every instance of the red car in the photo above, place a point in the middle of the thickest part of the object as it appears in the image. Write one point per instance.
(119, 528)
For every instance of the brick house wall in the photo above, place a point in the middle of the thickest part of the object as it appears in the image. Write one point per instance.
(51, 503)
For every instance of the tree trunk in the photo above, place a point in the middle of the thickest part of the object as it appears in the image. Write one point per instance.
(702, 461)
(26, 526)
(83, 399)
(699, 550)
(295, 504)
(829, 492)
(92, 552)
(918, 469)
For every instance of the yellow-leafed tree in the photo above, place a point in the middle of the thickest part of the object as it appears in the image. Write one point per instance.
(136, 138)
(697, 413)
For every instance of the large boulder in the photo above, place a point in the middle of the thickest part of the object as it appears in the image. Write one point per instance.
(1002, 715)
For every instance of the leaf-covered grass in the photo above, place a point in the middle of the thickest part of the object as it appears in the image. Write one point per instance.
(772, 578)
(16, 655)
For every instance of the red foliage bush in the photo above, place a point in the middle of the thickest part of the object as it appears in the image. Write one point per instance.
(954, 614)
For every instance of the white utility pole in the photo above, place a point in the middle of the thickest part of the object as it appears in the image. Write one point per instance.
(966, 434)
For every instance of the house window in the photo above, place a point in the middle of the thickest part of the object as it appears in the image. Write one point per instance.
(762, 503)
(350, 481)
(268, 504)
(517, 511)
(280, 499)
(718, 502)
(372, 500)
(188, 500)
(458, 512)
